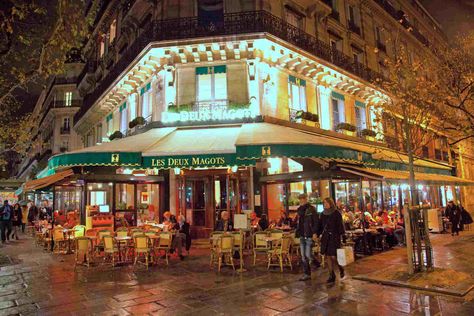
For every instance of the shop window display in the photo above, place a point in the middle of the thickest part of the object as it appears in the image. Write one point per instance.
(148, 202)
(125, 212)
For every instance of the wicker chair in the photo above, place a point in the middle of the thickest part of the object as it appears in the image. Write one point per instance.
(142, 249)
(260, 245)
(164, 244)
(110, 248)
(83, 253)
(225, 251)
(282, 254)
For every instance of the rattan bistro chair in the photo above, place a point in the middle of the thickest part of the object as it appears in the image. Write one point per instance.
(260, 245)
(164, 244)
(225, 251)
(281, 254)
(59, 241)
(141, 249)
(110, 249)
(83, 252)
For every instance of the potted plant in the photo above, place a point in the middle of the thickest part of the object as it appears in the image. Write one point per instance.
(116, 135)
(172, 108)
(238, 106)
(368, 134)
(185, 107)
(138, 121)
(346, 128)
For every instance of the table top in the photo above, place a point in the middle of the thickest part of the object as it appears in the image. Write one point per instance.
(123, 238)
(269, 238)
(153, 236)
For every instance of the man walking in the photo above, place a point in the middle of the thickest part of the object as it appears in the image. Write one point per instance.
(307, 228)
(453, 213)
(5, 221)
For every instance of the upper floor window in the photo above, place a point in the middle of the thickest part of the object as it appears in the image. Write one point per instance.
(294, 18)
(354, 21)
(99, 134)
(336, 43)
(211, 85)
(101, 46)
(66, 124)
(360, 115)
(110, 123)
(68, 98)
(123, 118)
(296, 95)
(112, 31)
(335, 9)
(358, 55)
(338, 109)
(146, 104)
(380, 38)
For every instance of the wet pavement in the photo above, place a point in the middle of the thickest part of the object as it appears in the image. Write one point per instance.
(39, 283)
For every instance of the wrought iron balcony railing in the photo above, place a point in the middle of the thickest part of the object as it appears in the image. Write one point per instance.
(231, 24)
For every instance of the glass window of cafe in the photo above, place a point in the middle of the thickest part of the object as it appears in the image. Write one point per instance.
(148, 196)
(67, 198)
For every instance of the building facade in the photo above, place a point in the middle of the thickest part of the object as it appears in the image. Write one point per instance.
(54, 114)
(202, 106)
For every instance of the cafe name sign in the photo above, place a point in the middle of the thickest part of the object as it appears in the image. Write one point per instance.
(202, 115)
(188, 161)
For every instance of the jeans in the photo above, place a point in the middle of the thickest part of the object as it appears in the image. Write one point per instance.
(5, 229)
(306, 247)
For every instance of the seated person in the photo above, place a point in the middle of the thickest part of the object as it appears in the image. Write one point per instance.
(254, 221)
(224, 224)
(263, 223)
(182, 236)
(60, 219)
(284, 220)
(169, 220)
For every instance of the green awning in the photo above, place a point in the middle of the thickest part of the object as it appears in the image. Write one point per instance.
(297, 81)
(19, 191)
(212, 69)
(203, 70)
(45, 172)
(95, 159)
(337, 95)
(301, 151)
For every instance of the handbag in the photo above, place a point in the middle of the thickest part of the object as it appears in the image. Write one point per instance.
(345, 255)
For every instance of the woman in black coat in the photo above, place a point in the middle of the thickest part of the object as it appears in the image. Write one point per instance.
(17, 216)
(331, 230)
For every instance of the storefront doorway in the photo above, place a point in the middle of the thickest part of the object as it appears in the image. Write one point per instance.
(205, 194)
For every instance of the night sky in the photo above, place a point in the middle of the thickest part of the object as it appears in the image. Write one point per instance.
(455, 16)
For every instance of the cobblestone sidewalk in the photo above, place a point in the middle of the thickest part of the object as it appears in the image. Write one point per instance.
(39, 283)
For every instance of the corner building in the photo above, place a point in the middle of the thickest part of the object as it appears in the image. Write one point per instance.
(202, 106)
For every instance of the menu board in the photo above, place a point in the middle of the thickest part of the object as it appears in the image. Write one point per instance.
(241, 221)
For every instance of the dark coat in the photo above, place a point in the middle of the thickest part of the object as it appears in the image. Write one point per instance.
(308, 220)
(17, 216)
(453, 214)
(224, 225)
(466, 218)
(331, 229)
(32, 213)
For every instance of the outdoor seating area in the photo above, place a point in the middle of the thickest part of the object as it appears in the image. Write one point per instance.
(145, 245)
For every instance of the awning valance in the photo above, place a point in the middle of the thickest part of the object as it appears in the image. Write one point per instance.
(47, 181)
(403, 176)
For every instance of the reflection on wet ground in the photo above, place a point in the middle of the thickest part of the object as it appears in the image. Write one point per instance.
(46, 284)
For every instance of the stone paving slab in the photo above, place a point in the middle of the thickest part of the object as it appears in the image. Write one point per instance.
(39, 283)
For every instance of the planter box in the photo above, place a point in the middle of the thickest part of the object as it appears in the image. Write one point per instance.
(348, 133)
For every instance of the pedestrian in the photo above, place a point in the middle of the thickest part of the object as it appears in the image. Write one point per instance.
(5, 221)
(24, 217)
(331, 230)
(32, 213)
(306, 230)
(16, 220)
(466, 218)
(453, 213)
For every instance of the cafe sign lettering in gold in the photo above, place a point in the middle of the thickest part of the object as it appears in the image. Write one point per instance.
(187, 162)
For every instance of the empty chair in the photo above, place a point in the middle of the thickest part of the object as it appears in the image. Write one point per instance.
(141, 249)
(83, 251)
(225, 251)
(281, 254)
(164, 244)
(260, 245)
(110, 248)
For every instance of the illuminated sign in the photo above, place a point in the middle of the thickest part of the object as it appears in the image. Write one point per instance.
(218, 114)
(187, 162)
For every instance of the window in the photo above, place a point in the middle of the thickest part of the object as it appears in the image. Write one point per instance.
(336, 44)
(68, 98)
(113, 31)
(66, 124)
(146, 103)
(99, 134)
(335, 11)
(380, 39)
(358, 55)
(101, 47)
(297, 93)
(338, 111)
(110, 124)
(294, 18)
(211, 85)
(361, 116)
(123, 118)
(354, 19)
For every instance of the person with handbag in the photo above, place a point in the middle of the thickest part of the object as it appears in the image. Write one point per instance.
(331, 230)
(307, 228)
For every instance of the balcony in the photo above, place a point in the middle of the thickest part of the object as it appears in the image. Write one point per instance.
(231, 24)
(334, 15)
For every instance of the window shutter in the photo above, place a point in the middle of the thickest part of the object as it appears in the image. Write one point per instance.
(361, 104)
(123, 106)
(220, 69)
(203, 70)
(109, 117)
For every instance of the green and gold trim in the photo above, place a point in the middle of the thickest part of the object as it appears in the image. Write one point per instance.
(95, 159)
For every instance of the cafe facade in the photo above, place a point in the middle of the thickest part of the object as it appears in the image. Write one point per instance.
(238, 123)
